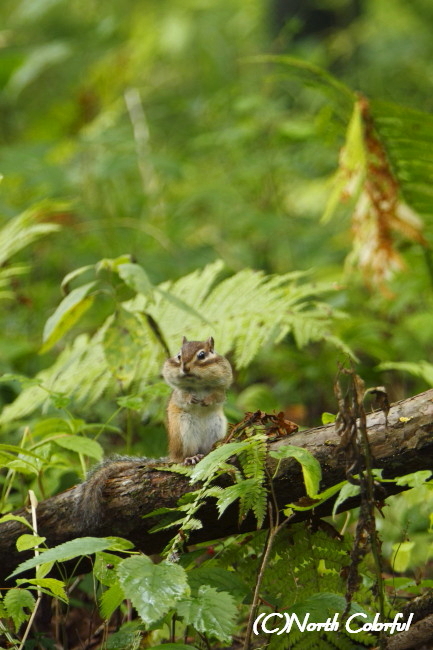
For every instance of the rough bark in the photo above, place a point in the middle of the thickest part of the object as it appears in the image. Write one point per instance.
(401, 444)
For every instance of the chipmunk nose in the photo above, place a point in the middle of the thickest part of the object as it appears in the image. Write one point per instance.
(185, 368)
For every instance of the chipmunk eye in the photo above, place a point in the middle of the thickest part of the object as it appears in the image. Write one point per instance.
(178, 357)
(201, 355)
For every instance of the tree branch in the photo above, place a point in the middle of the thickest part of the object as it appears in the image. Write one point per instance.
(401, 444)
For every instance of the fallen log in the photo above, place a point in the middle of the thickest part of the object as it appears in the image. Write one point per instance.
(400, 443)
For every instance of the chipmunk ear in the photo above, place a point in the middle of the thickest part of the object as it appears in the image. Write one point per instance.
(184, 340)
(210, 343)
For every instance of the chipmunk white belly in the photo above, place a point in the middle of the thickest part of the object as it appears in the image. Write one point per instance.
(200, 431)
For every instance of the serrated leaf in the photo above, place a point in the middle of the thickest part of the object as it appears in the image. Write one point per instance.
(212, 613)
(234, 492)
(15, 601)
(311, 469)
(70, 310)
(119, 543)
(52, 586)
(81, 445)
(19, 450)
(219, 578)
(66, 551)
(104, 568)
(153, 589)
(111, 599)
(26, 541)
(252, 495)
(23, 466)
(129, 637)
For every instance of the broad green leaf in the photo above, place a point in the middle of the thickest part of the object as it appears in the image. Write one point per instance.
(66, 551)
(70, 310)
(81, 445)
(318, 499)
(104, 568)
(153, 589)
(15, 601)
(136, 277)
(212, 613)
(119, 543)
(49, 585)
(111, 599)
(11, 517)
(26, 541)
(23, 466)
(414, 480)
(328, 418)
(219, 578)
(311, 469)
(348, 490)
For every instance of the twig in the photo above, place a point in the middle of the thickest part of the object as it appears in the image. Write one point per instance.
(33, 505)
(274, 529)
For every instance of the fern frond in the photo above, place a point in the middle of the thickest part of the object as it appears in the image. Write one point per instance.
(252, 460)
(24, 229)
(248, 310)
(252, 495)
(408, 138)
(18, 233)
(422, 369)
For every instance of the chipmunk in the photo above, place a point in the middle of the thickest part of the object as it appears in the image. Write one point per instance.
(195, 421)
(195, 416)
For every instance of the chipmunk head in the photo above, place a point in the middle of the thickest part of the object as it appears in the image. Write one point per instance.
(198, 366)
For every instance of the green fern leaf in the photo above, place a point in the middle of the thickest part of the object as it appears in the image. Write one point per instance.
(248, 311)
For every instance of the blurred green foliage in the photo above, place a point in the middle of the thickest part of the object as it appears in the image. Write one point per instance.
(176, 145)
(160, 130)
